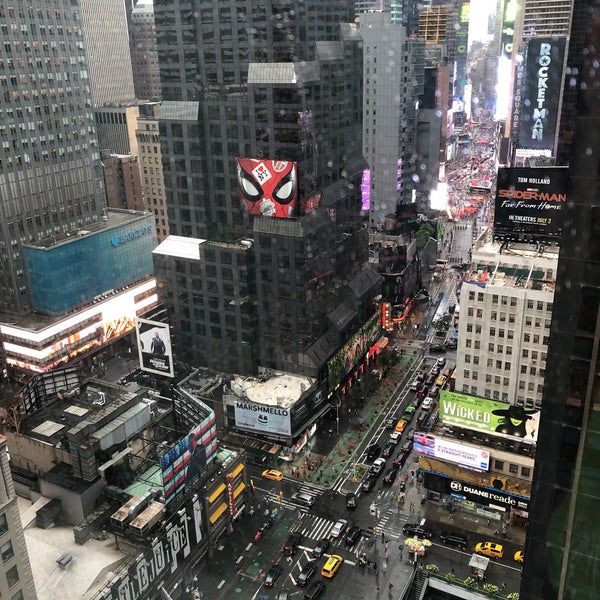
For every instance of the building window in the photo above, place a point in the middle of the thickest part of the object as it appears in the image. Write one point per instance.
(469, 328)
(496, 395)
(471, 296)
(477, 328)
(18, 596)
(467, 358)
(494, 315)
(474, 376)
(514, 469)
(480, 297)
(466, 374)
(490, 347)
(477, 344)
(487, 393)
(492, 331)
(525, 472)
(488, 378)
(474, 390)
(499, 465)
(476, 360)
(495, 299)
(525, 353)
(12, 576)
(505, 381)
(530, 304)
(3, 524)
(500, 348)
(6, 550)
(513, 301)
(527, 338)
(507, 366)
(468, 343)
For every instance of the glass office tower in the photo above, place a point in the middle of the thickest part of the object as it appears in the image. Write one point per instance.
(562, 551)
(262, 155)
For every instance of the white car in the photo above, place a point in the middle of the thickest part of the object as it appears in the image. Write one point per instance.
(427, 403)
(377, 467)
(395, 437)
(338, 528)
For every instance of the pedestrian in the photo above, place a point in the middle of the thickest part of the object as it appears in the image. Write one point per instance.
(502, 586)
(390, 586)
(384, 566)
(382, 537)
(401, 551)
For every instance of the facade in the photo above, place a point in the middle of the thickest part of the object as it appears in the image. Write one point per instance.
(56, 160)
(153, 184)
(144, 57)
(116, 127)
(561, 551)
(123, 182)
(506, 303)
(270, 106)
(393, 74)
(107, 48)
(16, 578)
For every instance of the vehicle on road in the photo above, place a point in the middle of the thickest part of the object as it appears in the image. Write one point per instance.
(273, 575)
(441, 381)
(351, 501)
(283, 595)
(390, 476)
(353, 535)
(390, 422)
(369, 483)
(417, 530)
(435, 371)
(519, 555)
(332, 566)
(314, 590)
(303, 499)
(408, 413)
(377, 467)
(401, 425)
(430, 379)
(434, 391)
(451, 538)
(407, 446)
(338, 528)
(321, 547)
(399, 461)
(421, 376)
(388, 449)
(373, 451)
(395, 436)
(490, 549)
(291, 544)
(437, 349)
(441, 361)
(427, 403)
(273, 475)
(410, 433)
(307, 573)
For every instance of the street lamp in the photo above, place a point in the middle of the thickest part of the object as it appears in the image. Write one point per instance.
(337, 416)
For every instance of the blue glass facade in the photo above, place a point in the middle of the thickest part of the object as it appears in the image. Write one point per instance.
(66, 276)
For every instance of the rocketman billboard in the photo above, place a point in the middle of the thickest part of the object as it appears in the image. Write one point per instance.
(491, 416)
(268, 188)
(154, 347)
(188, 457)
(543, 79)
(529, 202)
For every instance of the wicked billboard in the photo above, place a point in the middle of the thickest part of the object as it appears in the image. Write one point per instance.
(529, 202)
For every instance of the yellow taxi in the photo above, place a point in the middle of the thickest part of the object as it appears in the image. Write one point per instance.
(518, 556)
(332, 565)
(273, 475)
(401, 425)
(490, 549)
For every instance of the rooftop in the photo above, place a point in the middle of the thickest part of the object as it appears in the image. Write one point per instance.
(282, 389)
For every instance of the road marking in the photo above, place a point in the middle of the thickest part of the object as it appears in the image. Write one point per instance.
(221, 584)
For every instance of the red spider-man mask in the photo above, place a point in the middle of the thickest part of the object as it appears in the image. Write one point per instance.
(268, 188)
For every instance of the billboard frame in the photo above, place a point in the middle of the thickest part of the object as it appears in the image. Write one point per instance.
(151, 359)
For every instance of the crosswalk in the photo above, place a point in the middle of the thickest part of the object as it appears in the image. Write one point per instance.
(284, 500)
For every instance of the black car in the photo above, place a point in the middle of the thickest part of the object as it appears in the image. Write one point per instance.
(353, 535)
(351, 501)
(307, 573)
(373, 451)
(437, 349)
(314, 590)
(388, 450)
(321, 547)
(451, 345)
(417, 530)
(430, 380)
(457, 540)
(399, 461)
(420, 376)
(368, 483)
(435, 370)
(377, 467)
(390, 476)
(273, 575)
(410, 433)
(407, 446)
(390, 423)
(291, 544)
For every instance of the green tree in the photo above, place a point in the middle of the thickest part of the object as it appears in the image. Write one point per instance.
(423, 234)
(442, 324)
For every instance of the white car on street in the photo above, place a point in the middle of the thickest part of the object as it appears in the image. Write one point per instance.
(338, 528)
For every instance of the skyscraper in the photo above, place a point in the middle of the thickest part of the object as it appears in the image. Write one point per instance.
(144, 58)
(562, 556)
(261, 132)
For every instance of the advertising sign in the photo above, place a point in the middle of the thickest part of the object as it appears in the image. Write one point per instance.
(543, 79)
(188, 457)
(268, 188)
(154, 347)
(461, 454)
(345, 359)
(529, 202)
(262, 417)
(491, 416)
(486, 496)
(164, 555)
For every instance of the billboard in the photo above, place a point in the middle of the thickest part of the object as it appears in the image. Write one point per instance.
(444, 449)
(268, 188)
(188, 457)
(541, 95)
(154, 347)
(262, 417)
(529, 202)
(491, 416)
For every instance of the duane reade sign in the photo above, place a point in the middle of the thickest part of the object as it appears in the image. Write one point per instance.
(262, 417)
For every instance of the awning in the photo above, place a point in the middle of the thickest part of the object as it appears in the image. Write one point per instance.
(239, 489)
(216, 493)
(215, 516)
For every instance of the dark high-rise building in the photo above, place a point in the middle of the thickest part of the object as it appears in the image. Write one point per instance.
(562, 554)
(144, 57)
(261, 142)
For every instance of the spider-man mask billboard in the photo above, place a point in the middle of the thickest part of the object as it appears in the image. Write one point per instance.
(268, 188)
